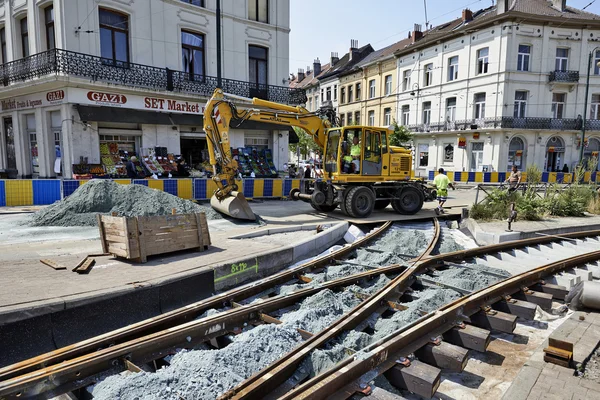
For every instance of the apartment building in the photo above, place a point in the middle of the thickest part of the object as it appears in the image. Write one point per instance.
(502, 86)
(81, 74)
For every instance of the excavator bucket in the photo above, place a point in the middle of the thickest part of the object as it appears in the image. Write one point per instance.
(235, 205)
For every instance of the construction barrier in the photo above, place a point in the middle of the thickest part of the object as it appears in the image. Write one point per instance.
(499, 177)
(38, 192)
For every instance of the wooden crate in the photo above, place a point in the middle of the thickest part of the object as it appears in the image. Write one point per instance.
(136, 238)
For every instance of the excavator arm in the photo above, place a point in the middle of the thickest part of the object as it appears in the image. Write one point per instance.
(221, 114)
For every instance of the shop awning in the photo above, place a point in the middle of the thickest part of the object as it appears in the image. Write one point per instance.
(115, 114)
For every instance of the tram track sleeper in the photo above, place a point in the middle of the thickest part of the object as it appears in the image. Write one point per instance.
(419, 378)
(520, 308)
(446, 356)
(544, 300)
(558, 292)
(494, 320)
(469, 337)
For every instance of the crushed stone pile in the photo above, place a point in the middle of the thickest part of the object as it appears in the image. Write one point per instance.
(463, 278)
(204, 374)
(105, 197)
(393, 243)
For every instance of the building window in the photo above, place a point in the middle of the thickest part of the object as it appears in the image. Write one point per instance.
(350, 98)
(24, 37)
(358, 92)
(357, 117)
(480, 105)
(426, 113)
(482, 60)
(49, 17)
(258, 58)
(387, 116)
(33, 143)
(520, 104)
(114, 37)
(558, 105)
(349, 117)
(423, 155)
(192, 54)
(3, 44)
(342, 95)
(523, 57)
(428, 78)
(405, 115)
(406, 80)
(310, 104)
(322, 95)
(342, 119)
(316, 102)
(596, 62)
(199, 3)
(562, 59)
(452, 68)
(516, 153)
(371, 118)
(451, 109)
(388, 84)
(258, 10)
(476, 156)
(372, 88)
(259, 143)
(328, 90)
(448, 152)
(595, 107)
(335, 93)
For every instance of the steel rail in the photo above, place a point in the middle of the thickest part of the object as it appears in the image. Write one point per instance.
(267, 380)
(383, 354)
(180, 315)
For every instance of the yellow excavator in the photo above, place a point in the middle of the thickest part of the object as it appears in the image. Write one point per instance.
(362, 172)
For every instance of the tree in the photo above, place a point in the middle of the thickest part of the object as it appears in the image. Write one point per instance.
(400, 136)
(306, 143)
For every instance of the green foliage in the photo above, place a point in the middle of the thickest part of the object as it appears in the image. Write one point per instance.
(400, 136)
(534, 175)
(306, 143)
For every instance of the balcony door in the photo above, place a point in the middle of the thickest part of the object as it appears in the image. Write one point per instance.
(258, 71)
(9, 139)
(476, 156)
(555, 154)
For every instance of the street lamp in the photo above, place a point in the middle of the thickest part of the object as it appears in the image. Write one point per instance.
(587, 91)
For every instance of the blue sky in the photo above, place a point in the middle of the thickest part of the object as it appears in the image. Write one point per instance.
(322, 26)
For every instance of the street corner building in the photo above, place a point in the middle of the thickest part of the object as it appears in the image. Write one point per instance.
(87, 85)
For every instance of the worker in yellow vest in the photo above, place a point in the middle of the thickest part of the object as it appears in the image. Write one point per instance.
(355, 153)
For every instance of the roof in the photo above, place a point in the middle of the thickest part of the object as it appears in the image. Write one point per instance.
(309, 79)
(384, 53)
(544, 7)
(346, 64)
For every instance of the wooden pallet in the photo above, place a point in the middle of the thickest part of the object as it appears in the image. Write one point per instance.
(136, 238)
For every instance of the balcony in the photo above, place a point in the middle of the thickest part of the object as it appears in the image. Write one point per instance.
(564, 76)
(564, 124)
(69, 63)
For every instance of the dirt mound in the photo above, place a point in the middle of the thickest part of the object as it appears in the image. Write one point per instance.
(105, 197)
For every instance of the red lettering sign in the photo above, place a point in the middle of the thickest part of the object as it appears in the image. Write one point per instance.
(152, 102)
(56, 95)
(101, 97)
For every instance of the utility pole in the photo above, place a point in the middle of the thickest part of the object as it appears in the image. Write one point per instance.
(219, 82)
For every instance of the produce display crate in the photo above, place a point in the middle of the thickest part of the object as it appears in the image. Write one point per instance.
(136, 238)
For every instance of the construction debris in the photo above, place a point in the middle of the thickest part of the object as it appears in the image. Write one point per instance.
(53, 264)
(84, 266)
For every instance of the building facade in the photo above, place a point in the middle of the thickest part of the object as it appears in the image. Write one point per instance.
(502, 86)
(81, 74)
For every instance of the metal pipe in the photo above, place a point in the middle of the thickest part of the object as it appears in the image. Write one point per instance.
(219, 82)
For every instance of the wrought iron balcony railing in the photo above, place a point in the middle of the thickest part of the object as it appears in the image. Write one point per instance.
(564, 124)
(564, 76)
(70, 63)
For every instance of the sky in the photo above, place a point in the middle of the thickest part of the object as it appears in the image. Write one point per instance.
(319, 27)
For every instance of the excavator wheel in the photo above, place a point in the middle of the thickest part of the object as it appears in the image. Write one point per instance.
(408, 201)
(360, 202)
(381, 204)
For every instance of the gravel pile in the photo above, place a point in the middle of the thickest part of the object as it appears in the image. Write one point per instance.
(463, 278)
(105, 197)
(395, 242)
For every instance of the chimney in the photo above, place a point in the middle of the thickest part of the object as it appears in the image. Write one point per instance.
(353, 53)
(300, 74)
(417, 33)
(334, 58)
(317, 67)
(503, 6)
(467, 15)
(560, 5)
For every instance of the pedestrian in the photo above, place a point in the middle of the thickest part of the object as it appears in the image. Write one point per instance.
(131, 169)
(441, 182)
(514, 179)
(565, 169)
(307, 176)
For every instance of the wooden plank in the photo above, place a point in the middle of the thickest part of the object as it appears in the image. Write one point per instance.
(98, 255)
(119, 252)
(159, 221)
(205, 231)
(117, 239)
(444, 356)
(304, 279)
(127, 244)
(519, 308)
(544, 300)
(199, 232)
(80, 263)
(86, 267)
(101, 228)
(557, 291)
(131, 367)
(418, 378)
(141, 239)
(168, 246)
(121, 246)
(114, 232)
(469, 337)
(53, 264)
(495, 320)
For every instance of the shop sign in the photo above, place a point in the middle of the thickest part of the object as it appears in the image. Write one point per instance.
(594, 154)
(462, 142)
(33, 101)
(173, 105)
(476, 136)
(109, 99)
(519, 152)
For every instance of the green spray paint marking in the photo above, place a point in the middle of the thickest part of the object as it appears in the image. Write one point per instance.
(237, 269)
